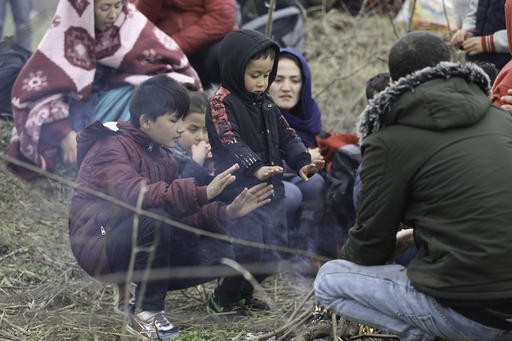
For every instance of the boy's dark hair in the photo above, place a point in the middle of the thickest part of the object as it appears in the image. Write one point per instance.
(268, 52)
(157, 96)
(489, 68)
(415, 51)
(198, 102)
(376, 84)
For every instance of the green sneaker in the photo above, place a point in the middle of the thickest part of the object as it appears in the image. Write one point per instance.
(214, 307)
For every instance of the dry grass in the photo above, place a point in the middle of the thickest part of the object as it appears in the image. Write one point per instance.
(44, 295)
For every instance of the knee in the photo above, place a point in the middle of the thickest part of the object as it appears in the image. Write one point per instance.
(293, 196)
(313, 189)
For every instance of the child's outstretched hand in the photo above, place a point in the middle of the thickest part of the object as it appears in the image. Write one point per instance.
(311, 169)
(249, 199)
(221, 181)
(265, 172)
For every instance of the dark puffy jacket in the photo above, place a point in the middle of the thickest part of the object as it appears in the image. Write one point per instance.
(437, 156)
(118, 164)
(248, 128)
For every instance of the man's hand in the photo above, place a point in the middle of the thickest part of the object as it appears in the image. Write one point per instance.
(404, 241)
(201, 151)
(310, 169)
(249, 200)
(265, 172)
(507, 100)
(68, 146)
(473, 46)
(221, 181)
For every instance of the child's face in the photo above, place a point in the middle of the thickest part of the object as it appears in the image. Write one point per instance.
(194, 130)
(285, 89)
(165, 130)
(257, 73)
(106, 13)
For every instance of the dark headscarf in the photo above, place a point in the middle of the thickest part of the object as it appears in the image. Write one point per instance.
(305, 116)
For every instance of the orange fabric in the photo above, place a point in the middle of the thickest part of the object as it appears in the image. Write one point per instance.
(329, 145)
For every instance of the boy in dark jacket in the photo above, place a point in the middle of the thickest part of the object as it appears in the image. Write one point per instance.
(246, 127)
(133, 165)
(437, 156)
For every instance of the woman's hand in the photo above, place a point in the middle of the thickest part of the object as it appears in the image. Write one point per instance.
(249, 200)
(310, 169)
(473, 46)
(68, 146)
(460, 36)
(221, 181)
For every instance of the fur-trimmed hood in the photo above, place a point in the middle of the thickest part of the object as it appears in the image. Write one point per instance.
(445, 96)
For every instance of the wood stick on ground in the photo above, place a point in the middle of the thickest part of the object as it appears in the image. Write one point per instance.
(283, 328)
(297, 309)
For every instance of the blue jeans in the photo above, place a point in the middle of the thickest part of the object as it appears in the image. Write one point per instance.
(383, 297)
(20, 10)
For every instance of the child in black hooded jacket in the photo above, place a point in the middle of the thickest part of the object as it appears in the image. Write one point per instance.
(246, 127)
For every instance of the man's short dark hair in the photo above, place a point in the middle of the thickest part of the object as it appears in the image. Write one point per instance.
(376, 84)
(157, 96)
(415, 51)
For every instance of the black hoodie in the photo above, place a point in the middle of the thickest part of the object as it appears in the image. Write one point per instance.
(248, 128)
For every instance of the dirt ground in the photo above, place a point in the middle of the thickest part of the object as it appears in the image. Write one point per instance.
(44, 295)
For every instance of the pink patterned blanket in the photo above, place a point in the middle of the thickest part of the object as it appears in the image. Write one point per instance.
(64, 65)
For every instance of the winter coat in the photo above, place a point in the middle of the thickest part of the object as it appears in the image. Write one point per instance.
(193, 24)
(118, 164)
(437, 156)
(247, 128)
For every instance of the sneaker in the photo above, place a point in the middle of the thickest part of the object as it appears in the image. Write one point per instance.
(214, 307)
(120, 299)
(151, 326)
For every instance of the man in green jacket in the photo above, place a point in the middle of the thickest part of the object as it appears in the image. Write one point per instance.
(437, 156)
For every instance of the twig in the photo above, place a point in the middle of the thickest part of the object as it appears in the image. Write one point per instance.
(411, 15)
(295, 327)
(268, 27)
(156, 216)
(14, 252)
(375, 336)
(250, 278)
(285, 327)
(334, 326)
(297, 309)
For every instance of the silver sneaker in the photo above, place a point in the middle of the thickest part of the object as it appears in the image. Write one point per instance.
(152, 326)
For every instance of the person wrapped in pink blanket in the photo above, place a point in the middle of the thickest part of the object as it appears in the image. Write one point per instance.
(83, 70)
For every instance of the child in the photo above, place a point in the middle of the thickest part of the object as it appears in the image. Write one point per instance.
(246, 127)
(193, 151)
(118, 163)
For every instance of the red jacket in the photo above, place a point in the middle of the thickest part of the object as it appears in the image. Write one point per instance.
(117, 164)
(193, 24)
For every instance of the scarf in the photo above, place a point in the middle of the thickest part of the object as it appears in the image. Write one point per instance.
(305, 116)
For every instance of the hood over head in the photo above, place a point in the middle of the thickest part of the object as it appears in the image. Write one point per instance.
(414, 101)
(237, 49)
